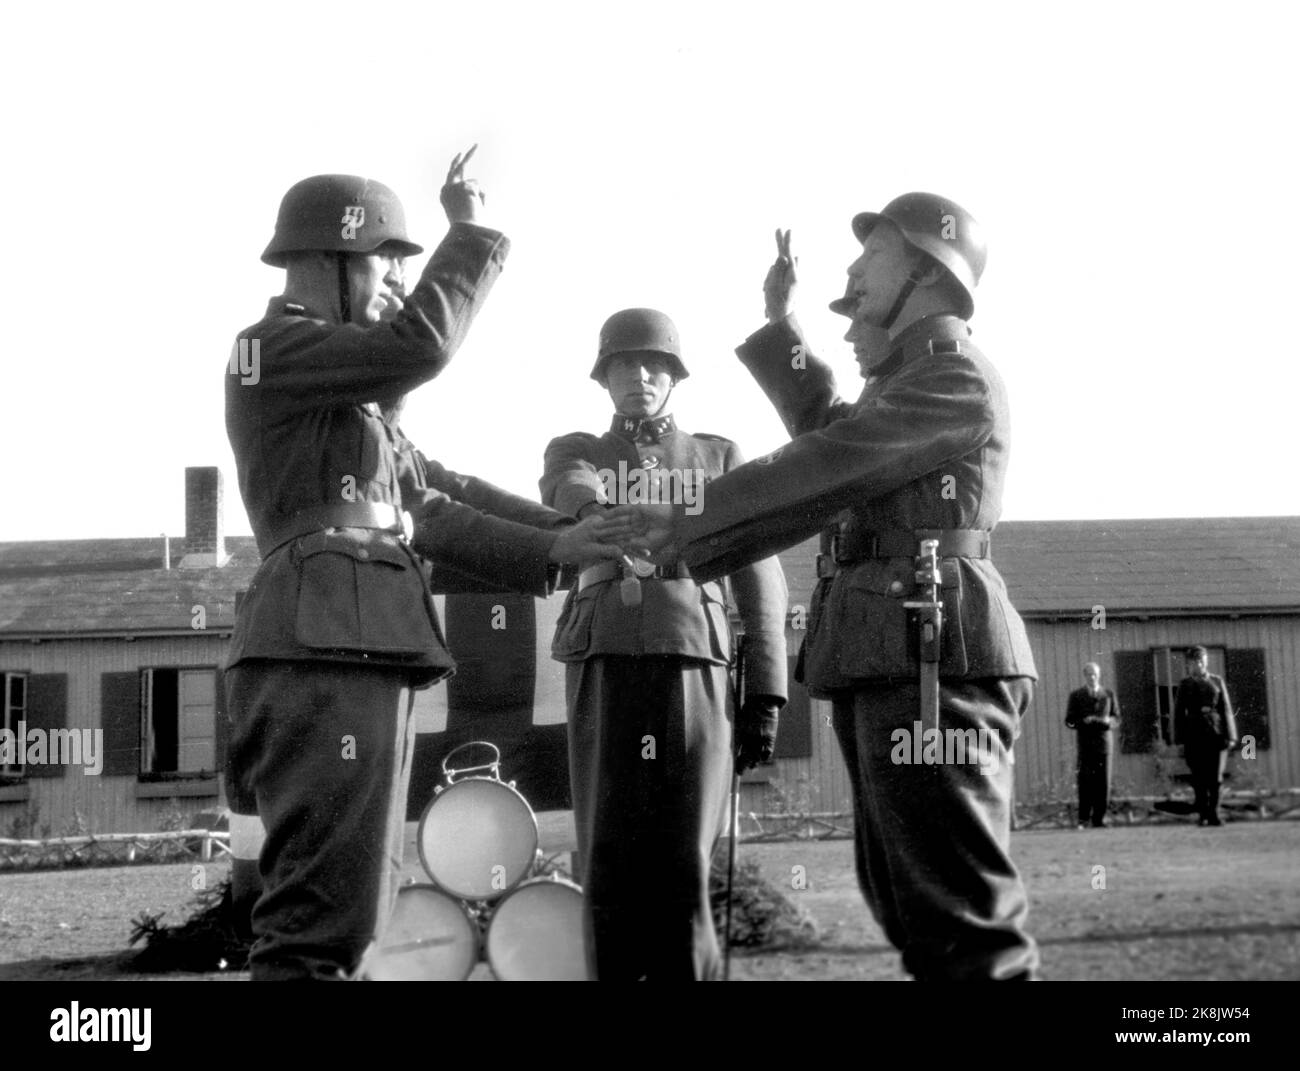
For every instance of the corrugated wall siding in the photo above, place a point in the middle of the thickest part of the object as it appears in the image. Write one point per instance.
(818, 783)
(1045, 755)
(102, 804)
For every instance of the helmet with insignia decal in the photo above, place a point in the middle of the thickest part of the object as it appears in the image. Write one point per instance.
(639, 331)
(938, 227)
(338, 214)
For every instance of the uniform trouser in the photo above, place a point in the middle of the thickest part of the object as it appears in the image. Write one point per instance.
(1207, 765)
(327, 748)
(650, 765)
(932, 837)
(1094, 786)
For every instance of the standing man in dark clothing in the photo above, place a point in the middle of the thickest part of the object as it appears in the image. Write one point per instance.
(1205, 724)
(650, 742)
(921, 455)
(338, 625)
(1092, 712)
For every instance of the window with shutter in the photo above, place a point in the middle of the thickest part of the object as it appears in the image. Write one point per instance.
(47, 713)
(13, 722)
(120, 719)
(1135, 689)
(1246, 676)
(178, 722)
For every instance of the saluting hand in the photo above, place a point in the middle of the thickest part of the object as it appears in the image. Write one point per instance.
(461, 197)
(781, 281)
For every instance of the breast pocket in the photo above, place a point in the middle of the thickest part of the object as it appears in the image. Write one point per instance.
(361, 594)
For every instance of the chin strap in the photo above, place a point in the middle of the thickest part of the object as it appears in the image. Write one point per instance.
(345, 299)
(667, 398)
(914, 277)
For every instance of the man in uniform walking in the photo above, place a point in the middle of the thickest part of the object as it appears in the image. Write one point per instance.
(650, 743)
(1092, 712)
(338, 626)
(921, 455)
(1207, 727)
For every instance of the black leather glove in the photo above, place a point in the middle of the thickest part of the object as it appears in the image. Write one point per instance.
(756, 732)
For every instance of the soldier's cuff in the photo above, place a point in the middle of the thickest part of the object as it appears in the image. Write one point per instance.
(772, 341)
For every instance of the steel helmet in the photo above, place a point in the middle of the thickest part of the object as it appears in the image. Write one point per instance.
(639, 331)
(338, 214)
(938, 227)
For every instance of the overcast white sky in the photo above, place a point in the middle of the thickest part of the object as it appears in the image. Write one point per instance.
(1133, 165)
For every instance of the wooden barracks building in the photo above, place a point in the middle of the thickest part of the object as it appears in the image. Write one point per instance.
(116, 646)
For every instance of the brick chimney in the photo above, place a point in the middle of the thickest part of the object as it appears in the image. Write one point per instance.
(205, 529)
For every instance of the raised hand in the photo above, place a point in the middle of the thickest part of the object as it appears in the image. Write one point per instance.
(781, 281)
(461, 197)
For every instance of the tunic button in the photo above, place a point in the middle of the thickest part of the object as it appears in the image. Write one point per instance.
(895, 587)
(362, 553)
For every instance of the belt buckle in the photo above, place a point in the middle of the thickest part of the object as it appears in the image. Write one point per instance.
(641, 569)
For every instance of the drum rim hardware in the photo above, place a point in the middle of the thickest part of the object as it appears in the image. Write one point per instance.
(480, 912)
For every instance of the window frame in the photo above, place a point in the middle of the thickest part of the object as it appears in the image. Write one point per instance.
(14, 774)
(146, 721)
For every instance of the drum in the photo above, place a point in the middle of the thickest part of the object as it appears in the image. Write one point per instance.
(477, 836)
(430, 938)
(536, 934)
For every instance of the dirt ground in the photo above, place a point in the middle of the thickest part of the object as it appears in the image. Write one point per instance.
(1172, 902)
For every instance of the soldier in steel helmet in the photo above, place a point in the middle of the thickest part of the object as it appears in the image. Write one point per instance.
(338, 625)
(896, 641)
(647, 650)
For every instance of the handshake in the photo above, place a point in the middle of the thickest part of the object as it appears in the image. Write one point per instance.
(643, 531)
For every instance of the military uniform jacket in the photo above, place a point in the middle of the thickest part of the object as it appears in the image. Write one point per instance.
(501, 542)
(1203, 716)
(677, 616)
(925, 446)
(307, 431)
(1094, 737)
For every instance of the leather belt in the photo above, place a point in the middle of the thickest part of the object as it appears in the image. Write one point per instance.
(381, 515)
(857, 545)
(598, 574)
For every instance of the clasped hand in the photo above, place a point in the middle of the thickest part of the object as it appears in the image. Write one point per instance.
(642, 531)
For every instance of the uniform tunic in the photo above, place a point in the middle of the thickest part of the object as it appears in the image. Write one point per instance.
(338, 625)
(924, 447)
(1094, 740)
(647, 689)
(1207, 727)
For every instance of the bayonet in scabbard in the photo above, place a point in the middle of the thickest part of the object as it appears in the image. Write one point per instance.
(929, 616)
